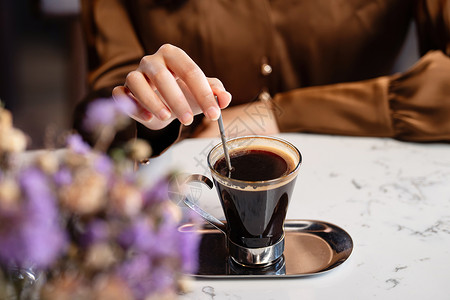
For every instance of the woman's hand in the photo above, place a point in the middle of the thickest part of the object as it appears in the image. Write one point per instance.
(169, 85)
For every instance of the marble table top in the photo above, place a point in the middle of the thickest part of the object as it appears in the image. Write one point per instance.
(392, 197)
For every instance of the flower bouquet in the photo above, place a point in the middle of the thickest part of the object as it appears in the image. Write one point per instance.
(80, 223)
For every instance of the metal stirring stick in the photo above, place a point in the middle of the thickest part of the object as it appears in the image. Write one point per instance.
(224, 143)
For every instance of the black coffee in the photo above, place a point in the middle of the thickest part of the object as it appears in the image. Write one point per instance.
(253, 165)
(255, 215)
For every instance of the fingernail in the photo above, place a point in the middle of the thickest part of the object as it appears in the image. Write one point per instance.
(213, 113)
(231, 98)
(164, 114)
(187, 119)
(145, 115)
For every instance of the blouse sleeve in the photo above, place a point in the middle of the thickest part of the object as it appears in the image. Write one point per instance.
(433, 25)
(114, 50)
(113, 47)
(412, 106)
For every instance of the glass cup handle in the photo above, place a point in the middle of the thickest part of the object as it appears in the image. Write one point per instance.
(206, 216)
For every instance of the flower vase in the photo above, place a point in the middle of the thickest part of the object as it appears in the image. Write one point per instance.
(23, 284)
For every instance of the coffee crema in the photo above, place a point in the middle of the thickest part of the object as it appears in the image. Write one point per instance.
(257, 164)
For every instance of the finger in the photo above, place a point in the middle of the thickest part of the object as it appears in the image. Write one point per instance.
(186, 69)
(223, 97)
(125, 99)
(196, 109)
(218, 89)
(157, 72)
(140, 88)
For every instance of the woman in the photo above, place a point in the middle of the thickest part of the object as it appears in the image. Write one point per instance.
(308, 66)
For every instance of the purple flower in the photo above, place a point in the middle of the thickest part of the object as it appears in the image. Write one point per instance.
(144, 277)
(147, 271)
(107, 112)
(135, 267)
(126, 106)
(63, 177)
(158, 193)
(32, 235)
(188, 245)
(39, 197)
(138, 274)
(101, 112)
(96, 232)
(76, 143)
(103, 164)
(139, 236)
(167, 232)
(164, 277)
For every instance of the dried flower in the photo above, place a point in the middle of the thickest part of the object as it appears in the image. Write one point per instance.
(185, 284)
(136, 272)
(97, 231)
(138, 150)
(103, 164)
(188, 244)
(12, 140)
(31, 236)
(48, 162)
(77, 145)
(138, 236)
(107, 113)
(158, 193)
(111, 288)
(63, 177)
(100, 256)
(125, 199)
(172, 211)
(9, 194)
(88, 220)
(5, 119)
(68, 286)
(86, 194)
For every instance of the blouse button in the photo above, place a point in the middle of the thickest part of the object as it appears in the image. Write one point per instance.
(266, 69)
(264, 96)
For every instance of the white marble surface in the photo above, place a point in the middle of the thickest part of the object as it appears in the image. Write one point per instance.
(392, 197)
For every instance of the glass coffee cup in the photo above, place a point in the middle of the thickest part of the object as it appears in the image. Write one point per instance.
(254, 196)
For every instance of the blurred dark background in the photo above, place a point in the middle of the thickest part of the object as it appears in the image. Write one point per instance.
(42, 65)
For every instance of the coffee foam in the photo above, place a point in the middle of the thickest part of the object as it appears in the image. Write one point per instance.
(289, 158)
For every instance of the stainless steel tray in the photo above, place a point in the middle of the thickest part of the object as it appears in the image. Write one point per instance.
(312, 247)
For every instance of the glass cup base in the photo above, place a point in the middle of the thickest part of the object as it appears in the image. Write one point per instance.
(256, 257)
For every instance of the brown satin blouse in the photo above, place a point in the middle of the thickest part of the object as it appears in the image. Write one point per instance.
(326, 63)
